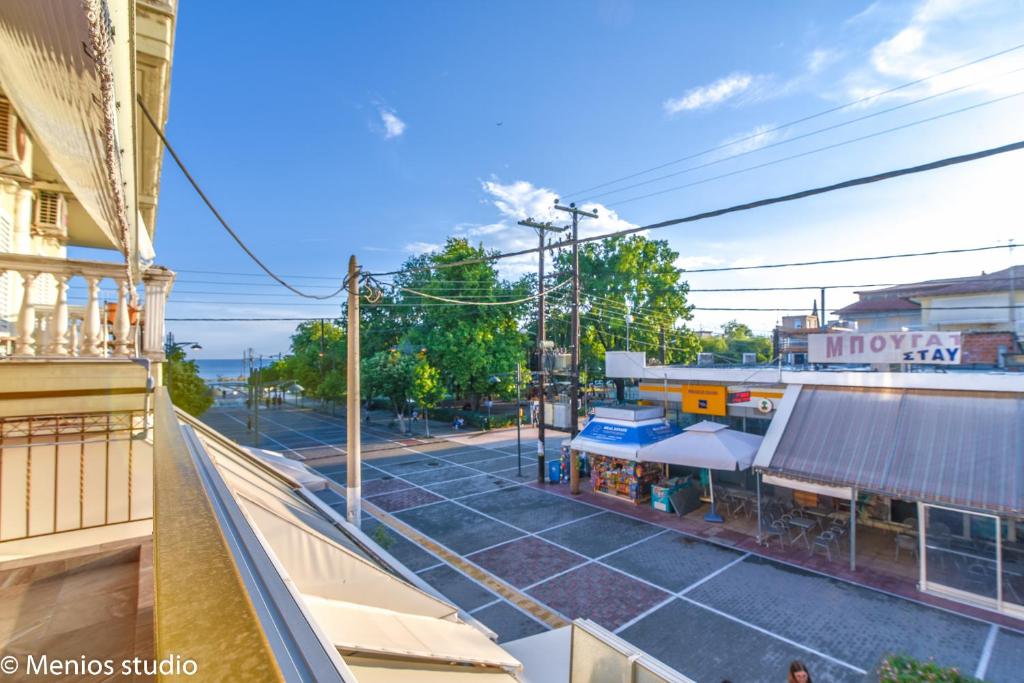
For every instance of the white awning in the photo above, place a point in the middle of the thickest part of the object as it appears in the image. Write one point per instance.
(706, 444)
(371, 630)
(843, 492)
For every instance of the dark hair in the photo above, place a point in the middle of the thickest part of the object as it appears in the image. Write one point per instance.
(797, 666)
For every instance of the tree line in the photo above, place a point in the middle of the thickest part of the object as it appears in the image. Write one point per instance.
(418, 349)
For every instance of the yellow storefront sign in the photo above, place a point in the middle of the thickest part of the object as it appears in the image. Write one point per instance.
(704, 400)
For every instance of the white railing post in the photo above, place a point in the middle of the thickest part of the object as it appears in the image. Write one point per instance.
(91, 321)
(26, 344)
(74, 338)
(158, 281)
(122, 321)
(58, 326)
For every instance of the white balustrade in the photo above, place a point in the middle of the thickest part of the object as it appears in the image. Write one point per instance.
(55, 328)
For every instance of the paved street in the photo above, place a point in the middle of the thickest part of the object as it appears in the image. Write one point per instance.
(710, 611)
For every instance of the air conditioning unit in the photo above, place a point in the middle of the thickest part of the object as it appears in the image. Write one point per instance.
(15, 144)
(51, 215)
(750, 359)
(705, 359)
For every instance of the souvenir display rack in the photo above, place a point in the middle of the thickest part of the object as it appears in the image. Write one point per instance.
(624, 478)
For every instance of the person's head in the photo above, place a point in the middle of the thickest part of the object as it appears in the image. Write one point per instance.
(798, 672)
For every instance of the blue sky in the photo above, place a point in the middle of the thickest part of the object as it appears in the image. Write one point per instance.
(373, 128)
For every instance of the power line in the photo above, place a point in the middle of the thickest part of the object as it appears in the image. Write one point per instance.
(780, 199)
(789, 124)
(817, 150)
(812, 133)
(224, 223)
(236, 274)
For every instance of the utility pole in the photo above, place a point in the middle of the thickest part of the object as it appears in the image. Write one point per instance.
(821, 323)
(541, 229)
(519, 416)
(661, 332)
(353, 459)
(574, 399)
(256, 402)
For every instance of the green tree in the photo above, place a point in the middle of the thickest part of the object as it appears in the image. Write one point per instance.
(187, 389)
(317, 361)
(389, 374)
(466, 343)
(427, 389)
(735, 340)
(623, 275)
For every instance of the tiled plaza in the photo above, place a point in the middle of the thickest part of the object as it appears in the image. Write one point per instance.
(709, 610)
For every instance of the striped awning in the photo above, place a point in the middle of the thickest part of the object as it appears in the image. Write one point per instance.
(952, 447)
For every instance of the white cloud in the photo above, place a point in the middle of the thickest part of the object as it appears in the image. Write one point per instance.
(935, 36)
(753, 139)
(821, 58)
(393, 126)
(705, 261)
(707, 96)
(421, 247)
(522, 199)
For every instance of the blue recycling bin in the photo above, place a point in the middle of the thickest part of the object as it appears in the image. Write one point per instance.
(554, 471)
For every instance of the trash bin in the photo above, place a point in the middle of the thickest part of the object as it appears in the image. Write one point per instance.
(554, 471)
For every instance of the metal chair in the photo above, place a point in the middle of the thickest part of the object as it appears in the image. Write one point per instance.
(823, 542)
(776, 529)
(904, 542)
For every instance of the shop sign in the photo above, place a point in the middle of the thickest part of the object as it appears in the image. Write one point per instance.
(739, 397)
(641, 435)
(932, 348)
(704, 400)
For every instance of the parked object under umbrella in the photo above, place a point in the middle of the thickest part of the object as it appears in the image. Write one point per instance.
(709, 445)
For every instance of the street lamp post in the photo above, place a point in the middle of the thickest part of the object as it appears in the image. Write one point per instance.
(495, 379)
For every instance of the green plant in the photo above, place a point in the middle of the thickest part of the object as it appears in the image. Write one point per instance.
(905, 669)
(382, 537)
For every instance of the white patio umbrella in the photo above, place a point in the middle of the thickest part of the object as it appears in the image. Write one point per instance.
(709, 445)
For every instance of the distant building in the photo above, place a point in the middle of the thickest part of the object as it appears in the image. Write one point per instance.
(980, 306)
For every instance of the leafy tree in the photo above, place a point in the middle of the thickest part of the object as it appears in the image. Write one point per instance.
(735, 340)
(467, 344)
(736, 330)
(389, 374)
(188, 391)
(317, 361)
(427, 389)
(626, 275)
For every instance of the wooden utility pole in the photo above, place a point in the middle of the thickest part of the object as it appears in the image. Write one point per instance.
(353, 459)
(541, 229)
(574, 399)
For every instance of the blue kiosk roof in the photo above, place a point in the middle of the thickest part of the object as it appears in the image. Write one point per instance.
(620, 438)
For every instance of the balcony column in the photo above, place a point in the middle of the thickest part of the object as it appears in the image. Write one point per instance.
(122, 322)
(26, 328)
(91, 322)
(58, 325)
(22, 232)
(158, 281)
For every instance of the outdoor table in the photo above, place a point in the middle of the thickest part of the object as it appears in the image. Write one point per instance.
(804, 525)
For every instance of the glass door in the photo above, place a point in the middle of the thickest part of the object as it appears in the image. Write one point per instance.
(962, 555)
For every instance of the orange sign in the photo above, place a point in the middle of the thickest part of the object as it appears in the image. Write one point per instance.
(704, 400)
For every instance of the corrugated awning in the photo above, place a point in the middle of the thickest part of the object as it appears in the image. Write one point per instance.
(952, 447)
(49, 71)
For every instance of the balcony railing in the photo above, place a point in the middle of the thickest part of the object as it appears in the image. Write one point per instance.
(47, 326)
(65, 473)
